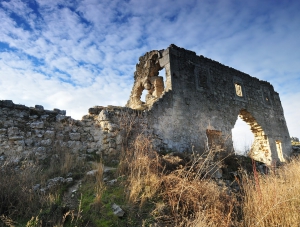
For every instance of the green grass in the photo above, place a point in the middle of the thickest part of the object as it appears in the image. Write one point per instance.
(101, 214)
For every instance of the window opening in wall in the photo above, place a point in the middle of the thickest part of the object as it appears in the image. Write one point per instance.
(147, 78)
(238, 90)
(279, 150)
(153, 87)
(162, 73)
(242, 137)
(143, 96)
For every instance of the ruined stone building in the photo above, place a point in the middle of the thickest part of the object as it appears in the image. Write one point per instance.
(200, 100)
(194, 107)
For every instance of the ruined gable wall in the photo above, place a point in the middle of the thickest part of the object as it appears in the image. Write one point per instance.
(203, 96)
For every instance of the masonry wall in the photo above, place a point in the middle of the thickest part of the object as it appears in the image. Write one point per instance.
(35, 134)
(203, 98)
(194, 109)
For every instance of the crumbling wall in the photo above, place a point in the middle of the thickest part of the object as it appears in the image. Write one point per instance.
(146, 77)
(35, 134)
(206, 96)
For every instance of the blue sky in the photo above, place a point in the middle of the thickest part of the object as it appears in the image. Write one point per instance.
(79, 53)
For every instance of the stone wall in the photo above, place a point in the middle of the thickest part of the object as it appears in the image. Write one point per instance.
(194, 108)
(33, 133)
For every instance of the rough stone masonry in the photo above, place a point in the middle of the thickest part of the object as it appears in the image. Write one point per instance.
(194, 107)
(199, 102)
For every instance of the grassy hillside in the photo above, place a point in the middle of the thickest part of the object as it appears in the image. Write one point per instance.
(216, 188)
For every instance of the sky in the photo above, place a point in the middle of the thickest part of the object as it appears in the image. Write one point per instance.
(75, 54)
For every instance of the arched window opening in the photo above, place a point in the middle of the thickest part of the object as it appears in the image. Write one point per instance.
(260, 149)
(242, 137)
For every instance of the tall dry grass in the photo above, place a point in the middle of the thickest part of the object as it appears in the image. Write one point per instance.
(142, 168)
(17, 198)
(273, 199)
(100, 185)
(194, 198)
(184, 196)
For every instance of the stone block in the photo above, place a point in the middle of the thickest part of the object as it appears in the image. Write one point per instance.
(7, 103)
(49, 134)
(28, 142)
(61, 112)
(16, 138)
(37, 125)
(12, 131)
(74, 136)
(112, 127)
(60, 117)
(46, 142)
(71, 144)
(60, 136)
(103, 116)
(39, 107)
(117, 210)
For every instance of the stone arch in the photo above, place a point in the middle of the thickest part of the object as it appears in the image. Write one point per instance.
(260, 149)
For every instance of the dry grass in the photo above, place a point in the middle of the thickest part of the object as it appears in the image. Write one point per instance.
(193, 198)
(141, 165)
(274, 199)
(192, 201)
(63, 162)
(188, 196)
(100, 185)
(17, 199)
(185, 196)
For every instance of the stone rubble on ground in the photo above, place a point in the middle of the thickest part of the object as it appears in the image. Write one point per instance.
(118, 210)
(52, 183)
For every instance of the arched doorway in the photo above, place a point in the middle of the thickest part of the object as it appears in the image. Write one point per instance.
(242, 137)
(260, 148)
